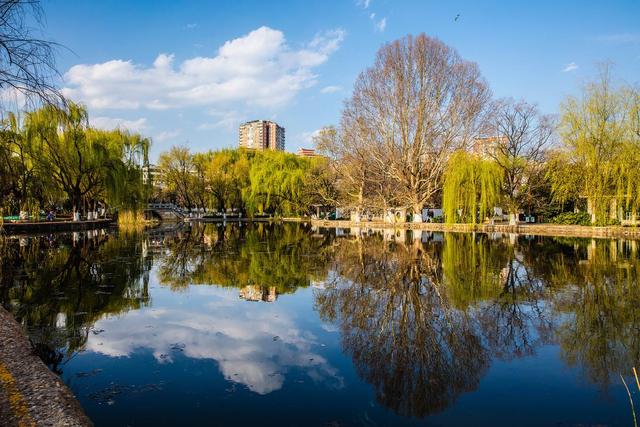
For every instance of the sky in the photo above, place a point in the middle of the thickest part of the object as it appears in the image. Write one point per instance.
(188, 73)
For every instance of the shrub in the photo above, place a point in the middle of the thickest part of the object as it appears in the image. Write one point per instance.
(572, 218)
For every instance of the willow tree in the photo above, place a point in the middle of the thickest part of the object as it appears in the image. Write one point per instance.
(125, 155)
(63, 149)
(601, 148)
(419, 102)
(472, 188)
(277, 183)
(22, 186)
(27, 61)
(227, 176)
(91, 167)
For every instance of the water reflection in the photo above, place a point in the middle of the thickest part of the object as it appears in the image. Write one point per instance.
(422, 316)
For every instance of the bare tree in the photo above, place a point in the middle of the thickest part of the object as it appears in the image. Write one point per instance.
(350, 158)
(27, 63)
(418, 103)
(521, 136)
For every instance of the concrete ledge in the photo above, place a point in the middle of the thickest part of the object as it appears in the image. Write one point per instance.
(47, 227)
(30, 394)
(531, 229)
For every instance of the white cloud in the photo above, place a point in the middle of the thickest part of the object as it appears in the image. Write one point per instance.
(572, 66)
(191, 26)
(166, 135)
(363, 3)
(331, 89)
(378, 25)
(256, 69)
(108, 123)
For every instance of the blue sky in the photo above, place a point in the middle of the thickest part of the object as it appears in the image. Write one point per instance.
(187, 73)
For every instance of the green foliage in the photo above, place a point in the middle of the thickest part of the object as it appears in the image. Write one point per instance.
(272, 182)
(53, 157)
(572, 218)
(601, 152)
(471, 188)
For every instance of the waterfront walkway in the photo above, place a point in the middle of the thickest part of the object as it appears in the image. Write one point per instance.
(53, 226)
(30, 394)
(530, 229)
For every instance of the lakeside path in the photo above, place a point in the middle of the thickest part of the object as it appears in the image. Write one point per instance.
(30, 394)
(51, 227)
(530, 229)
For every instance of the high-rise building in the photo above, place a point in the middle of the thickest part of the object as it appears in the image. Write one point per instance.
(261, 135)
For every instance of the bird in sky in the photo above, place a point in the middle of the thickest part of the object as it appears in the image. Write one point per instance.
(456, 18)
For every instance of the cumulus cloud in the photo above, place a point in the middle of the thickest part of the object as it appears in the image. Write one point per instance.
(363, 3)
(259, 69)
(331, 89)
(108, 123)
(572, 66)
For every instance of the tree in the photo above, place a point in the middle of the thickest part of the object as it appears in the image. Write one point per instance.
(418, 103)
(278, 183)
(53, 157)
(471, 188)
(27, 63)
(200, 188)
(227, 176)
(601, 150)
(521, 136)
(177, 174)
(75, 159)
(349, 157)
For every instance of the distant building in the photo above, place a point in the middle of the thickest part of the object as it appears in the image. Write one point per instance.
(485, 147)
(261, 135)
(306, 152)
(151, 174)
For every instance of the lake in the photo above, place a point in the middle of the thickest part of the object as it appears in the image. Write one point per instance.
(289, 325)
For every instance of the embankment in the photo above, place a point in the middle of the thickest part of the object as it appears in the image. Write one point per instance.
(30, 394)
(530, 229)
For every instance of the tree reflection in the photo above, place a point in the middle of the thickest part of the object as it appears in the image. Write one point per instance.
(602, 332)
(399, 325)
(268, 257)
(58, 286)
(422, 321)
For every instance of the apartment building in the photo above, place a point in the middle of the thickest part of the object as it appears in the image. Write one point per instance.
(261, 135)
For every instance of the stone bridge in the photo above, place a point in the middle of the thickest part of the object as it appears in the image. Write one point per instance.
(165, 211)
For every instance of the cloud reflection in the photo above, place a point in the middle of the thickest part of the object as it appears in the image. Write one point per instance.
(253, 344)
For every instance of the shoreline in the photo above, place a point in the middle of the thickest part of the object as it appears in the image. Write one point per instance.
(30, 394)
(15, 228)
(551, 230)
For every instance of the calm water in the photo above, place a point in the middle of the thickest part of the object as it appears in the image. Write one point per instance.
(287, 325)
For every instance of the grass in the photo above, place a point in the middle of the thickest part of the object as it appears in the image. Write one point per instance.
(132, 220)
